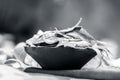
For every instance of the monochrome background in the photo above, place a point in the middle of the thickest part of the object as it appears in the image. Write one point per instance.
(20, 19)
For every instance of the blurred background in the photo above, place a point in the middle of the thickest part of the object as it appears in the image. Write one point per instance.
(20, 19)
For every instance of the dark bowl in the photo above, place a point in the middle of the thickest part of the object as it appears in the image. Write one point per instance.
(60, 58)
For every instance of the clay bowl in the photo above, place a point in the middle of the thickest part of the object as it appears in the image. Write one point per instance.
(61, 58)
